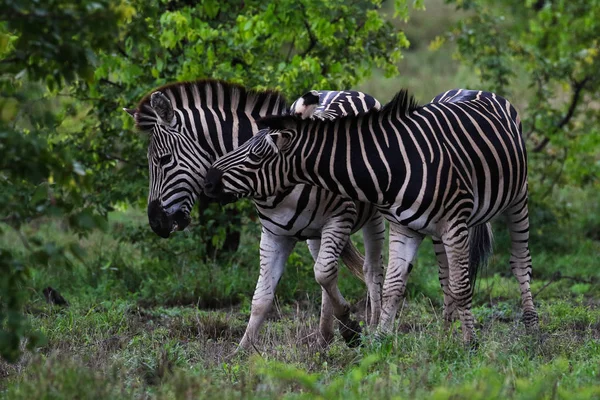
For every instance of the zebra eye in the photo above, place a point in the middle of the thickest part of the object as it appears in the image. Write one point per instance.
(254, 154)
(164, 160)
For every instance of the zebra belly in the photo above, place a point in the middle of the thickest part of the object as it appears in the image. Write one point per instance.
(420, 224)
(303, 211)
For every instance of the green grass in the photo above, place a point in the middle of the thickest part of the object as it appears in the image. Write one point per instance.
(141, 325)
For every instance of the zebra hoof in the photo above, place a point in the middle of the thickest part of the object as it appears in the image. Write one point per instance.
(472, 345)
(531, 320)
(350, 331)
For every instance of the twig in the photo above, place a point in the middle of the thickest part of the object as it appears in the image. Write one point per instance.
(558, 175)
(312, 37)
(23, 238)
(558, 276)
(552, 280)
(104, 80)
(577, 89)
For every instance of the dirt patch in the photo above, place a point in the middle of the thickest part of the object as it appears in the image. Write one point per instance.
(204, 302)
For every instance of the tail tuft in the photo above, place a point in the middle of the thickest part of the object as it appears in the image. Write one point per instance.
(353, 260)
(480, 249)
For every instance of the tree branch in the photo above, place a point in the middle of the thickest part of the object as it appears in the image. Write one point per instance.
(103, 80)
(313, 39)
(311, 35)
(118, 158)
(577, 89)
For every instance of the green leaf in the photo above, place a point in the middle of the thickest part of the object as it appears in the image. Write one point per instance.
(40, 193)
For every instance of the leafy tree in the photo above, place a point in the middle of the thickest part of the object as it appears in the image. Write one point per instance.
(555, 46)
(68, 67)
(44, 46)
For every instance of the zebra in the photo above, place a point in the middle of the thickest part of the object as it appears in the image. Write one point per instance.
(444, 169)
(191, 124)
(339, 104)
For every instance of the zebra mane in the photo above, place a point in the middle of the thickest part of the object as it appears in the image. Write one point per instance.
(202, 85)
(403, 103)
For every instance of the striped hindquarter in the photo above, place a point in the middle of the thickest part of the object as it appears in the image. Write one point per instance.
(192, 124)
(442, 169)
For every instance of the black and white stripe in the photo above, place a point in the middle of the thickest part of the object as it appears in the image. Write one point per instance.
(327, 104)
(444, 169)
(192, 124)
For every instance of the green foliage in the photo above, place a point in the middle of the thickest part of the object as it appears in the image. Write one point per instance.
(345, 385)
(554, 45)
(52, 42)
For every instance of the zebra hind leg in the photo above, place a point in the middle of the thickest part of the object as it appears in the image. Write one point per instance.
(374, 237)
(520, 258)
(456, 244)
(274, 252)
(326, 321)
(404, 244)
(334, 236)
(480, 249)
(449, 313)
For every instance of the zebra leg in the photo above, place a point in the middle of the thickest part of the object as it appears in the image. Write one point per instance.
(404, 244)
(274, 252)
(456, 243)
(374, 237)
(326, 321)
(449, 304)
(520, 258)
(334, 235)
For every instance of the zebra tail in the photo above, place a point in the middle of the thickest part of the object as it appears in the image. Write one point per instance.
(353, 260)
(480, 249)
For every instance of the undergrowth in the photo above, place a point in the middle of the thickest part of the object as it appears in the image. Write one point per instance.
(145, 323)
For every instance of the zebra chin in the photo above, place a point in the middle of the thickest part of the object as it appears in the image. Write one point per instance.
(214, 188)
(222, 198)
(162, 223)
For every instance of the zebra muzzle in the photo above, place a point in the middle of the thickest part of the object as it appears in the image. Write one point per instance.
(163, 223)
(213, 186)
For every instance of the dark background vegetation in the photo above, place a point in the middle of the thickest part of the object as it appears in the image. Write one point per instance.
(143, 317)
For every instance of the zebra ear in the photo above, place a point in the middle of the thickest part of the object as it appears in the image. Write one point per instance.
(281, 139)
(311, 98)
(162, 106)
(130, 111)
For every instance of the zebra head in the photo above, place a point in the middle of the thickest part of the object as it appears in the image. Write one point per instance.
(257, 169)
(306, 105)
(172, 163)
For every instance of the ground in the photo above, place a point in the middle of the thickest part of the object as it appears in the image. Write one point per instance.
(142, 325)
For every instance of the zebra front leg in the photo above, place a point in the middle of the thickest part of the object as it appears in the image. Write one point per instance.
(456, 244)
(404, 244)
(449, 304)
(520, 258)
(334, 235)
(374, 237)
(326, 326)
(274, 252)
